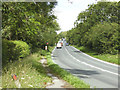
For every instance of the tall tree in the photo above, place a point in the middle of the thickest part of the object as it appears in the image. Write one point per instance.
(101, 14)
(29, 22)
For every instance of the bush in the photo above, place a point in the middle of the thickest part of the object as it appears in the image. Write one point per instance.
(104, 38)
(42, 52)
(23, 48)
(14, 50)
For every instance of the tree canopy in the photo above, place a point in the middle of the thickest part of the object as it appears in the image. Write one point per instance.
(31, 22)
(97, 28)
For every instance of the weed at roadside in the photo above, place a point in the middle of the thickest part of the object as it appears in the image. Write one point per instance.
(29, 71)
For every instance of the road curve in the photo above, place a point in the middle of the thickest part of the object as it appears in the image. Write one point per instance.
(94, 72)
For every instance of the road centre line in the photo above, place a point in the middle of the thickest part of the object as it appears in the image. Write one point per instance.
(91, 65)
(96, 58)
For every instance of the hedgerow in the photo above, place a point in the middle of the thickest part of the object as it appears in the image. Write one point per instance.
(97, 28)
(14, 50)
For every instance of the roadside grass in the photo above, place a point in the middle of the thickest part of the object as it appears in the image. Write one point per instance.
(63, 74)
(30, 73)
(0, 81)
(105, 57)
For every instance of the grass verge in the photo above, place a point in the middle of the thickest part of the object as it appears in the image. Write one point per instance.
(30, 73)
(63, 74)
(105, 57)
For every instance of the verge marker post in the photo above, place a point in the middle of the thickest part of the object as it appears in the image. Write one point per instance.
(45, 47)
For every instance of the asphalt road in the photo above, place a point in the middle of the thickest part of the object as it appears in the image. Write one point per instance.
(95, 72)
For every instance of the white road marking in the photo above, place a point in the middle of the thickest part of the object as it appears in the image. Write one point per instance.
(53, 50)
(96, 58)
(91, 65)
(53, 60)
(53, 57)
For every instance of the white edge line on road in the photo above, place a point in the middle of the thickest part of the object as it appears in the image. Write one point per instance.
(60, 66)
(53, 50)
(52, 57)
(90, 65)
(53, 60)
(96, 58)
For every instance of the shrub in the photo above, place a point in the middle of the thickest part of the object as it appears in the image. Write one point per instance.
(22, 47)
(42, 52)
(104, 37)
(14, 50)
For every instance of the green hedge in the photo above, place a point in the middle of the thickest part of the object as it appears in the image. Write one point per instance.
(104, 38)
(14, 50)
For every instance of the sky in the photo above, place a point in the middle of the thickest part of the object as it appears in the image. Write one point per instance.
(68, 10)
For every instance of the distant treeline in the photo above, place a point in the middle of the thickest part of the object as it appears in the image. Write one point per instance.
(97, 28)
(29, 22)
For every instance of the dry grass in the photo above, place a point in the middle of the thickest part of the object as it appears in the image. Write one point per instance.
(30, 73)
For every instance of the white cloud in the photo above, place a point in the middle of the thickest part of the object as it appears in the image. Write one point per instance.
(66, 19)
(67, 13)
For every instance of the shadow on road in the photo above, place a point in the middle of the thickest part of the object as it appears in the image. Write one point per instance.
(82, 73)
(54, 56)
(77, 51)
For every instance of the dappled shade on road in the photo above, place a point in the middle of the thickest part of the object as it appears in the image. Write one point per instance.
(82, 73)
